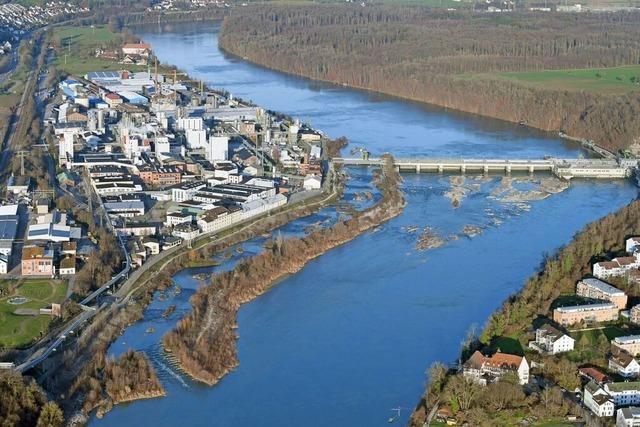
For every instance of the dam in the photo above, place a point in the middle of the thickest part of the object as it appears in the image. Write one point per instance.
(562, 168)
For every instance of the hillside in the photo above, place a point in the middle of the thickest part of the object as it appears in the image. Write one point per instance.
(494, 65)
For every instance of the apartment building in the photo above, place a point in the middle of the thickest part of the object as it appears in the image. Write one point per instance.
(589, 313)
(551, 340)
(597, 289)
(628, 343)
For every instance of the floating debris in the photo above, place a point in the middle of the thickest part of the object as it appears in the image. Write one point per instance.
(150, 330)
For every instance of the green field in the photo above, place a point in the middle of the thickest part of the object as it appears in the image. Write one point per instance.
(616, 80)
(76, 49)
(19, 331)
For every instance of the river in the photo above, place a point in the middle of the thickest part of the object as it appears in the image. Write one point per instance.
(350, 336)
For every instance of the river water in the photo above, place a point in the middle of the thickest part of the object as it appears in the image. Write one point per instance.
(350, 336)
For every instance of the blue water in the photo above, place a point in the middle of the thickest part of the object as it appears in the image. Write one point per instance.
(350, 336)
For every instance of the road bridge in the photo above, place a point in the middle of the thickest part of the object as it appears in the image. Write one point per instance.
(562, 168)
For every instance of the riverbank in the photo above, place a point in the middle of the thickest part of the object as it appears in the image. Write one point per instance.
(204, 343)
(509, 329)
(334, 53)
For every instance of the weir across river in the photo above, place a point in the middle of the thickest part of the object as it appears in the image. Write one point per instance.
(562, 168)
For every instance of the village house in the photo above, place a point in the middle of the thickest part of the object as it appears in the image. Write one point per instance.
(597, 289)
(37, 261)
(628, 343)
(628, 417)
(589, 313)
(141, 49)
(616, 267)
(551, 340)
(624, 364)
(484, 370)
(67, 266)
(598, 400)
(592, 373)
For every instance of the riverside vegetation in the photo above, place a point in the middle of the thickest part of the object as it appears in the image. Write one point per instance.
(461, 60)
(204, 342)
(505, 401)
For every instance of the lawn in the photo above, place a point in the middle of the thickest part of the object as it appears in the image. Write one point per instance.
(19, 331)
(76, 49)
(615, 80)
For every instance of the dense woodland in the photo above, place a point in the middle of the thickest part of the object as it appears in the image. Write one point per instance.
(421, 54)
(24, 404)
(558, 276)
(204, 341)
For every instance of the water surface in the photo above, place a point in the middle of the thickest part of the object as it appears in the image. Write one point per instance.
(351, 335)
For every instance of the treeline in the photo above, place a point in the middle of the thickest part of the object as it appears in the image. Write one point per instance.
(24, 404)
(421, 54)
(112, 381)
(203, 342)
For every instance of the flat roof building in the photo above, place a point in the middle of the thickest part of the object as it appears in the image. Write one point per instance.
(590, 313)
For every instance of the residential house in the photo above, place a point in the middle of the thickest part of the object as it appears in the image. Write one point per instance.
(624, 364)
(37, 261)
(69, 248)
(487, 369)
(590, 313)
(628, 417)
(551, 340)
(598, 400)
(592, 373)
(597, 289)
(67, 266)
(616, 267)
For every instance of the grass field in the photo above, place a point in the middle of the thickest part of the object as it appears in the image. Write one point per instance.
(613, 81)
(79, 45)
(19, 331)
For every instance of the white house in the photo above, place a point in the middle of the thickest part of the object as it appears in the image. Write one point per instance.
(624, 364)
(551, 340)
(312, 182)
(628, 417)
(632, 244)
(175, 218)
(598, 400)
(487, 369)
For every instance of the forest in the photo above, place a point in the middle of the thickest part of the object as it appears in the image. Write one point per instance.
(24, 403)
(557, 276)
(452, 59)
(203, 342)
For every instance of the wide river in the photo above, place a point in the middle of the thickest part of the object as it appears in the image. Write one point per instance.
(350, 336)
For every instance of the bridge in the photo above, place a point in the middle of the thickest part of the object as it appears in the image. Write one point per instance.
(562, 168)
